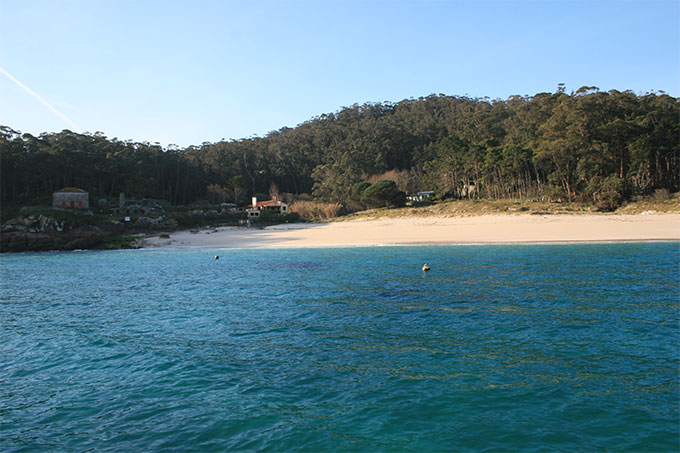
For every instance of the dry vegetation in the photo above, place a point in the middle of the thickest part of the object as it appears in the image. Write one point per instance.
(319, 211)
(463, 208)
(315, 210)
(651, 205)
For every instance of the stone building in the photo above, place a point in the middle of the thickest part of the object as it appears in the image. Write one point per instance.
(71, 197)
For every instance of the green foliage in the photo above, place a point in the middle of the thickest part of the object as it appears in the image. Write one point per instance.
(460, 147)
(454, 167)
(268, 216)
(355, 200)
(120, 242)
(383, 193)
(186, 219)
(290, 217)
(358, 189)
(611, 193)
(553, 193)
(217, 193)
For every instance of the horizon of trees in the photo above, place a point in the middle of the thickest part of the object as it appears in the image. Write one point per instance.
(585, 146)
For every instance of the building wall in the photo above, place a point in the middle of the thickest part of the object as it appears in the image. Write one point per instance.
(77, 200)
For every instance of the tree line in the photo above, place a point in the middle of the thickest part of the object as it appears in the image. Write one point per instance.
(585, 146)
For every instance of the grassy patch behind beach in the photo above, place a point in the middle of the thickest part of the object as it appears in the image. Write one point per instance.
(466, 208)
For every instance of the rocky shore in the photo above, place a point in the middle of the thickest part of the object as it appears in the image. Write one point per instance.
(41, 232)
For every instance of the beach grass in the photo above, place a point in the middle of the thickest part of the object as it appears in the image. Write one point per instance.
(467, 208)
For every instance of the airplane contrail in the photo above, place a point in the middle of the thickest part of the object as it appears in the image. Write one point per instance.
(41, 100)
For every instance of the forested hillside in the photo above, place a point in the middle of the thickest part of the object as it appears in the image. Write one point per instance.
(580, 146)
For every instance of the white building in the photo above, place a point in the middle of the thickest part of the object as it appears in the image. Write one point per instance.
(270, 205)
(420, 196)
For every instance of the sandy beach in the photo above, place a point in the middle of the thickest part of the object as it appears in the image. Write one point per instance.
(429, 230)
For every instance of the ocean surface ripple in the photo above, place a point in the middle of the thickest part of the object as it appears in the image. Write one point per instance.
(499, 347)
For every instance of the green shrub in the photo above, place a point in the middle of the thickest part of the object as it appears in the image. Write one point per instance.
(358, 189)
(554, 193)
(291, 217)
(383, 193)
(611, 193)
(268, 216)
(120, 242)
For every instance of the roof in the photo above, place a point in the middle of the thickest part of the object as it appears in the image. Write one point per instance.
(268, 203)
(71, 189)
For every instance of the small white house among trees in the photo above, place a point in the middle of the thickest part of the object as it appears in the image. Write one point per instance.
(71, 197)
(421, 196)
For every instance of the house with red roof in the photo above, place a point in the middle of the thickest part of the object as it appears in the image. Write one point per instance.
(258, 207)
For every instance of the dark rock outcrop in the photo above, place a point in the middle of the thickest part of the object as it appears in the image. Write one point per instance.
(80, 238)
(40, 233)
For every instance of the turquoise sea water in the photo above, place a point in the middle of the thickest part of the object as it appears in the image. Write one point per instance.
(499, 347)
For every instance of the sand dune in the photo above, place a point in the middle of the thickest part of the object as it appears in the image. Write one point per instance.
(428, 230)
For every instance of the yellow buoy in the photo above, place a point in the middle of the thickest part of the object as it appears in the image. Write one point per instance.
(426, 268)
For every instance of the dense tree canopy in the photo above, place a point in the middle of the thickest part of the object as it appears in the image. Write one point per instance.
(383, 193)
(579, 146)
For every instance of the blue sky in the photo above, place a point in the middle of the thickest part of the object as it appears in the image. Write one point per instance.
(187, 71)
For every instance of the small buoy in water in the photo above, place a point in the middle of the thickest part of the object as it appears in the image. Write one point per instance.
(217, 257)
(426, 267)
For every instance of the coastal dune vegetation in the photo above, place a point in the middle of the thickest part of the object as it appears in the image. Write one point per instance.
(589, 146)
